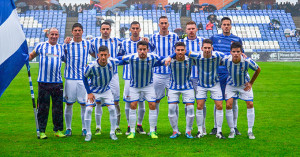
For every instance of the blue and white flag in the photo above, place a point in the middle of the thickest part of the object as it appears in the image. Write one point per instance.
(13, 45)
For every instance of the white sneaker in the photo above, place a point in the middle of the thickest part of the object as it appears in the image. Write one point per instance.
(88, 137)
(231, 135)
(199, 135)
(204, 132)
(113, 136)
(251, 135)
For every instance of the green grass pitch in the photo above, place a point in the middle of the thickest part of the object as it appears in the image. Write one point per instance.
(276, 102)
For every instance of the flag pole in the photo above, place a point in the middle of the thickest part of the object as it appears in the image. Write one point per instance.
(33, 101)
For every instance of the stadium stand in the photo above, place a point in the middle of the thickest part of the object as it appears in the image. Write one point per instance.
(253, 27)
(35, 21)
(147, 18)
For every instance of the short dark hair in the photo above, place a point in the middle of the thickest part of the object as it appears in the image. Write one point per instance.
(191, 23)
(207, 41)
(179, 44)
(105, 23)
(163, 17)
(142, 43)
(77, 25)
(236, 44)
(103, 48)
(135, 23)
(225, 18)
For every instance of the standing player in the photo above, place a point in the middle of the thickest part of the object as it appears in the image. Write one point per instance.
(113, 45)
(180, 84)
(222, 42)
(76, 52)
(163, 42)
(129, 46)
(141, 83)
(239, 86)
(194, 43)
(50, 83)
(100, 73)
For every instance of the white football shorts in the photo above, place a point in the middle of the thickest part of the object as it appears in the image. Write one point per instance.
(238, 92)
(161, 83)
(74, 90)
(147, 92)
(105, 98)
(115, 87)
(215, 92)
(188, 96)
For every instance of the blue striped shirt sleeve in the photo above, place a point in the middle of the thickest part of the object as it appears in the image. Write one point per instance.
(252, 64)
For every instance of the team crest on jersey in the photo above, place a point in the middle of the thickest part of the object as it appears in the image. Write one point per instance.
(242, 69)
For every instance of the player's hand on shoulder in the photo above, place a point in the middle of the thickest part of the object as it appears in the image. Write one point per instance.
(248, 86)
(244, 55)
(145, 39)
(67, 40)
(168, 61)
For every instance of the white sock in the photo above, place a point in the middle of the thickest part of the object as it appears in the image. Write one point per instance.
(112, 118)
(157, 108)
(215, 121)
(189, 118)
(98, 115)
(83, 108)
(173, 117)
(118, 114)
(132, 119)
(199, 119)
(185, 111)
(235, 109)
(88, 119)
(177, 111)
(229, 117)
(68, 115)
(219, 117)
(204, 116)
(127, 107)
(141, 112)
(152, 119)
(250, 118)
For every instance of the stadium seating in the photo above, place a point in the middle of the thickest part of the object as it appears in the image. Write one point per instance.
(253, 27)
(35, 21)
(148, 20)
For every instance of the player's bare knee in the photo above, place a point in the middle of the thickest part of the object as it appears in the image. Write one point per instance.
(133, 105)
(70, 104)
(157, 101)
(219, 105)
(249, 104)
(152, 106)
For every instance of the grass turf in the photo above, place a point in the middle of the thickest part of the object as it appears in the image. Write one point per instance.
(276, 102)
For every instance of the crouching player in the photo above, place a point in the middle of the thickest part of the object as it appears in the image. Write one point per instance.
(239, 85)
(141, 82)
(100, 73)
(181, 83)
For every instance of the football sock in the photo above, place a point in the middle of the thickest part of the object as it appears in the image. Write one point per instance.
(177, 111)
(127, 107)
(189, 118)
(199, 119)
(204, 116)
(88, 119)
(132, 119)
(68, 115)
(173, 117)
(215, 121)
(229, 117)
(112, 118)
(185, 111)
(98, 115)
(83, 108)
(219, 117)
(157, 108)
(118, 112)
(235, 109)
(152, 119)
(250, 118)
(141, 112)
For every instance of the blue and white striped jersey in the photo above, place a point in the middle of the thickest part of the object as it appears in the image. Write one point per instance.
(141, 70)
(195, 46)
(128, 47)
(113, 45)
(163, 46)
(76, 55)
(100, 76)
(51, 57)
(180, 74)
(238, 73)
(207, 68)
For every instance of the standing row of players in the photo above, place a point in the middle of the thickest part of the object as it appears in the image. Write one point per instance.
(145, 77)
